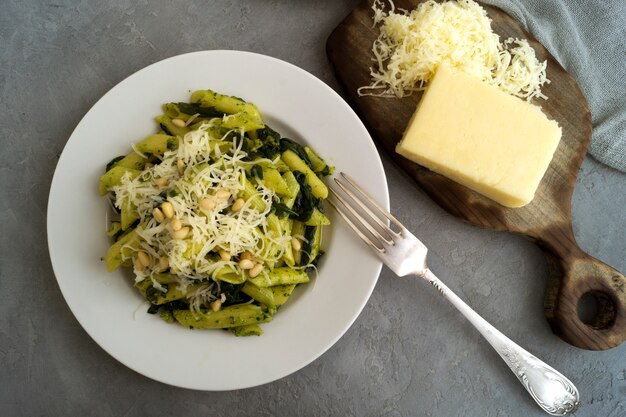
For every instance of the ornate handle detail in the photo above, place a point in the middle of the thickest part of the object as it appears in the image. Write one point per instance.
(554, 393)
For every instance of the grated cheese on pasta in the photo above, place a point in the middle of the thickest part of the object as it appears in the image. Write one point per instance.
(207, 170)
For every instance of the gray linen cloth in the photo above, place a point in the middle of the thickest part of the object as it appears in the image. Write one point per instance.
(588, 38)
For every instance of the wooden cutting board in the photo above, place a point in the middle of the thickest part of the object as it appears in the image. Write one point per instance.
(547, 219)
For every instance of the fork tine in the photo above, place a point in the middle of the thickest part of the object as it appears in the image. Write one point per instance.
(375, 204)
(361, 220)
(362, 235)
(367, 210)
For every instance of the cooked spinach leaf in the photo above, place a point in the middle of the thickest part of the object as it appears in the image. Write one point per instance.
(314, 262)
(257, 172)
(282, 210)
(307, 244)
(233, 293)
(196, 108)
(270, 140)
(165, 129)
(305, 201)
(325, 172)
(152, 293)
(235, 136)
(296, 148)
(175, 305)
(113, 161)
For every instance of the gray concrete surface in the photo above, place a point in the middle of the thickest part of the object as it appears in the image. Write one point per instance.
(408, 354)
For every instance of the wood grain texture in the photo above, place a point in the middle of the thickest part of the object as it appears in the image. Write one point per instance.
(547, 219)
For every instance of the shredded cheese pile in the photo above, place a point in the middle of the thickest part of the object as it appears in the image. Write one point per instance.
(207, 169)
(411, 45)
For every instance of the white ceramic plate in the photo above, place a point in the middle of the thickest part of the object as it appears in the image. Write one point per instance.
(297, 105)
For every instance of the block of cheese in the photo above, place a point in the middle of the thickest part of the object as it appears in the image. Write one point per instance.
(481, 137)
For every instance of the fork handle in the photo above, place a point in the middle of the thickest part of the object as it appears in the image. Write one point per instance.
(549, 388)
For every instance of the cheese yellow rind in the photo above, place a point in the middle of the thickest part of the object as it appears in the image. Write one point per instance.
(479, 136)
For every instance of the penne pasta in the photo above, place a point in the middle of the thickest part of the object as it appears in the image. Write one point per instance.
(220, 217)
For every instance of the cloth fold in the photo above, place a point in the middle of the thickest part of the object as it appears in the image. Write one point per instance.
(588, 38)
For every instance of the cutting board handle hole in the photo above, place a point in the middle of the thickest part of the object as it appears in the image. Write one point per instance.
(596, 309)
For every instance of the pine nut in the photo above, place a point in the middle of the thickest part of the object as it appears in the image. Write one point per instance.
(181, 234)
(238, 204)
(143, 258)
(178, 122)
(158, 215)
(207, 204)
(168, 209)
(180, 164)
(176, 224)
(163, 263)
(148, 165)
(246, 255)
(256, 270)
(139, 267)
(216, 305)
(225, 255)
(222, 194)
(161, 182)
(296, 244)
(246, 264)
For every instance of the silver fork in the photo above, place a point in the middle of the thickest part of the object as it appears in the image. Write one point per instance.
(405, 255)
